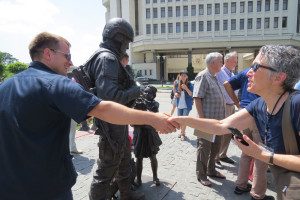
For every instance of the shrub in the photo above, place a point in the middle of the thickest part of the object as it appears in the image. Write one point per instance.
(16, 67)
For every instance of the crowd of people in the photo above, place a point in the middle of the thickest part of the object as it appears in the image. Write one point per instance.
(47, 104)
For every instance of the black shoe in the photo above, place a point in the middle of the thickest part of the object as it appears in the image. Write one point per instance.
(219, 165)
(239, 191)
(227, 160)
(156, 182)
(267, 197)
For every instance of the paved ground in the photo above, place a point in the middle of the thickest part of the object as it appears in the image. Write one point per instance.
(177, 161)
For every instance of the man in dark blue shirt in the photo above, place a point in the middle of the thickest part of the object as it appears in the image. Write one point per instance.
(36, 109)
(272, 76)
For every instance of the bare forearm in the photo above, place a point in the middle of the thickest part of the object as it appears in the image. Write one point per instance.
(198, 104)
(118, 114)
(211, 126)
(231, 93)
(290, 162)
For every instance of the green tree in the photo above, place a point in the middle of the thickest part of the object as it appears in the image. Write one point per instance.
(190, 70)
(2, 68)
(6, 58)
(16, 67)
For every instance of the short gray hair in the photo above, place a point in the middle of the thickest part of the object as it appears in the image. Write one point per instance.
(230, 55)
(284, 59)
(211, 57)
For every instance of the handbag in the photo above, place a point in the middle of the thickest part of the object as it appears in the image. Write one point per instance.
(288, 182)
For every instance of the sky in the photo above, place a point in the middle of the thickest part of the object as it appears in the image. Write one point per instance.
(81, 22)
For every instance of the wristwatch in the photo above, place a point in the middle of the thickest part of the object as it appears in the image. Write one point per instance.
(271, 158)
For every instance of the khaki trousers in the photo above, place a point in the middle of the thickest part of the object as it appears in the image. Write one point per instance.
(259, 185)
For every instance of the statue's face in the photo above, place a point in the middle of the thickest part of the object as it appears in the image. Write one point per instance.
(149, 95)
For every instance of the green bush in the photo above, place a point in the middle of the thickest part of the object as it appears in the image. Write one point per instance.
(2, 68)
(16, 67)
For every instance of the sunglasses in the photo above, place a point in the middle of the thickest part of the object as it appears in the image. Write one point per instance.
(67, 55)
(256, 66)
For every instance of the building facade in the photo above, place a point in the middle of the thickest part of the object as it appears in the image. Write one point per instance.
(171, 34)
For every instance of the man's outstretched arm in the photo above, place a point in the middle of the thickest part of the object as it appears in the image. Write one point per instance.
(118, 114)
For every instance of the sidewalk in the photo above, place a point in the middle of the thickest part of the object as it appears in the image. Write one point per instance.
(177, 163)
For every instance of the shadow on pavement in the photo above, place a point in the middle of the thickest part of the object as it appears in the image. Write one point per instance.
(83, 165)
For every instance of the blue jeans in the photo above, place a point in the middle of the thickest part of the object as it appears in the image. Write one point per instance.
(183, 112)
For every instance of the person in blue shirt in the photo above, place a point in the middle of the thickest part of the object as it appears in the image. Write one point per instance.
(35, 114)
(272, 76)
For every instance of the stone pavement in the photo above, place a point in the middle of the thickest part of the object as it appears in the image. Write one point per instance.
(177, 161)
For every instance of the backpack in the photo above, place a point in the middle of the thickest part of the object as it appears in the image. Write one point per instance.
(81, 75)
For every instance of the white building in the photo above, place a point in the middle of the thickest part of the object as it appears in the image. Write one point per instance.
(170, 34)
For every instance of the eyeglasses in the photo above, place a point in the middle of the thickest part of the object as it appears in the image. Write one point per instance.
(256, 66)
(67, 55)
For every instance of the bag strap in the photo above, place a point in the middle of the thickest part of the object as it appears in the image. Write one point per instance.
(288, 133)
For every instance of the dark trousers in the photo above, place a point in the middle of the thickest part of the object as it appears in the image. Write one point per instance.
(65, 196)
(206, 154)
(111, 164)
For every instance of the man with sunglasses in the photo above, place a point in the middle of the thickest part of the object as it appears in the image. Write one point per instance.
(36, 110)
(272, 77)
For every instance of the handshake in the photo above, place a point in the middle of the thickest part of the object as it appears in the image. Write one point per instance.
(164, 123)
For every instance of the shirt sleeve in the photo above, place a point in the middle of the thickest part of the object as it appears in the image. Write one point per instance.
(70, 98)
(236, 81)
(201, 85)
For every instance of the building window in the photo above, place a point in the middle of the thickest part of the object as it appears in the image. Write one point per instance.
(250, 6)
(177, 11)
(185, 11)
(242, 7)
(233, 24)
(148, 29)
(163, 28)
(162, 12)
(169, 0)
(145, 72)
(154, 1)
(209, 9)
(242, 24)
(162, 1)
(217, 8)
(147, 1)
(267, 5)
(249, 23)
(155, 29)
(284, 22)
(178, 27)
(267, 23)
(225, 25)
(193, 27)
(150, 72)
(276, 5)
(276, 22)
(148, 15)
(177, 0)
(285, 5)
(170, 11)
(154, 12)
(233, 7)
(258, 23)
(258, 8)
(193, 10)
(208, 26)
(201, 9)
(201, 26)
(185, 27)
(217, 25)
(225, 8)
(170, 27)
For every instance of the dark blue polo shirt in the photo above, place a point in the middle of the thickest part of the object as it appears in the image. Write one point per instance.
(36, 107)
(273, 138)
(240, 81)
